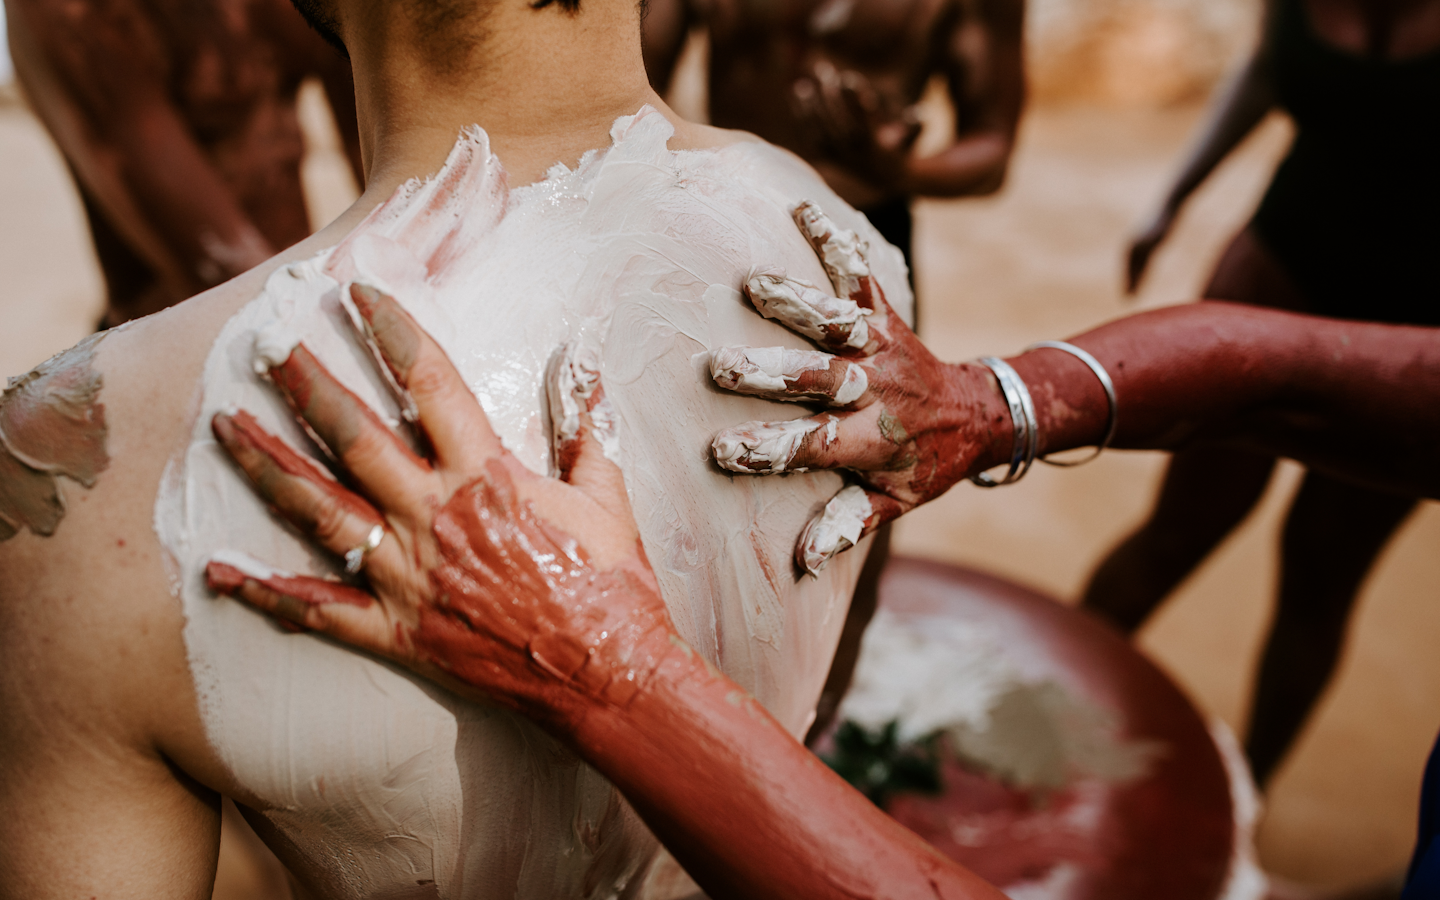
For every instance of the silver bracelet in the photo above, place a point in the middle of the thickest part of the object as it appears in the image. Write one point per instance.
(1022, 418)
(1105, 383)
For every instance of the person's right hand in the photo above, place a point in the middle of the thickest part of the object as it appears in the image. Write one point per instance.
(488, 578)
(1144, 245)
(907, 425)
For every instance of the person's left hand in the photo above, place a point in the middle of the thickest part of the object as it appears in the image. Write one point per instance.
(478, 573)
(906, 424)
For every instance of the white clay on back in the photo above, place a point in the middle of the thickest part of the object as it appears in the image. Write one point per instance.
(382, 784)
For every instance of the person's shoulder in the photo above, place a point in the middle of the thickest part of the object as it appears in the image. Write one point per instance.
(89, 627)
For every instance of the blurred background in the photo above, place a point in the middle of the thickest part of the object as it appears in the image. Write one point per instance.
(1116, 89)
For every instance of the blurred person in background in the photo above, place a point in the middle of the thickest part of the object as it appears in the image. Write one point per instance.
(178, 121)
(836, 81)
(1348, 228)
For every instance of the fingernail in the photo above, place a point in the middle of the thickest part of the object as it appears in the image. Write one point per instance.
(386, 327)
(841, 251)
(222, 578)
(274, 342)
(365, 297)
(835, 530)
(222, 426)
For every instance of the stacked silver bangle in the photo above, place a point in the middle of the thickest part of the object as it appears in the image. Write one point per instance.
(1022, 413)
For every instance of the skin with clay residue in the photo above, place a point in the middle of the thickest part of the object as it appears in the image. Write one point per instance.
(535, 593)
(52, 423)
(932, 425)
(546, 612)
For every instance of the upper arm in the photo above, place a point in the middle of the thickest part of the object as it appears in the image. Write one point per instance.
(983, 61)
(92, 805)
(98, 75)
(663, 33)
(97, 710)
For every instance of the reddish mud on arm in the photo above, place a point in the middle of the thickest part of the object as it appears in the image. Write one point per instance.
(1353, 399)
(52, 423)
(534, 593)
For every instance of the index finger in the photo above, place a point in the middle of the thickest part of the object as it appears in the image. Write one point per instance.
(843, 255)
(441, 403)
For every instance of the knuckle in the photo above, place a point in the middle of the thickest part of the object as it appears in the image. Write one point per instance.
(430, 380)
(330, 521)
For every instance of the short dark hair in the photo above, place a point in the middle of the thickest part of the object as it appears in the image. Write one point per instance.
(436, 20)
(323, 19)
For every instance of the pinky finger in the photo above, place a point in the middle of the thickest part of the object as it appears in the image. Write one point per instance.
(849, 516)
(345, 612)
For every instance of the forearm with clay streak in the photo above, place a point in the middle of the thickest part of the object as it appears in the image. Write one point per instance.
(747, 810)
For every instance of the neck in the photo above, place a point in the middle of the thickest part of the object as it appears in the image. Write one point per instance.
(545, 84)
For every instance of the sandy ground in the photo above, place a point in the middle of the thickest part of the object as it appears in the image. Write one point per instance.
(1041, 260)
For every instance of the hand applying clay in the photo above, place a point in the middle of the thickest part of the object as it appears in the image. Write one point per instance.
(576, 612)
(533, 592)
(908, 425)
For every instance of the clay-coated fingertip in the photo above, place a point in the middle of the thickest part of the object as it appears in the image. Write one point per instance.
(222, 578)
(365, 296)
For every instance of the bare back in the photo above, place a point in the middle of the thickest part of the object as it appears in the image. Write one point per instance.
(144, 695)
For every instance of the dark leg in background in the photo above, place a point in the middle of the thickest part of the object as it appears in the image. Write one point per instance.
(1334, 533)
(1207, 492)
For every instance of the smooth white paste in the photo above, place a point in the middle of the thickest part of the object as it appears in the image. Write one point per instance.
(383, 784)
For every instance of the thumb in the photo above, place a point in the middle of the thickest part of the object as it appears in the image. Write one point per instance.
(585, 447)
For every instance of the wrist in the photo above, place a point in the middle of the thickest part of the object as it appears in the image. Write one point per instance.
(606, 733)
(1071, 407)
(984, 415)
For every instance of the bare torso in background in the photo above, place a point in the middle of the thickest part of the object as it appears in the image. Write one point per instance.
(835, 80)
(178, 120)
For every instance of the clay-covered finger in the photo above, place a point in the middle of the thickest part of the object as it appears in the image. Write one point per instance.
(583, 428)
(585, 444)
(379, 462)
(345, 612)
(779, 373)
(842, 253)
(294, 485)
(864, 440)
(846, 518)
(832, 322)
(431, 388)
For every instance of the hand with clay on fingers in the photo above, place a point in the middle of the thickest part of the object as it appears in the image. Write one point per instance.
(481, 574)
(533, 592)
(907, 425)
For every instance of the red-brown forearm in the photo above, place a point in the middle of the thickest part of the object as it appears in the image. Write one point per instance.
(974, 164)
(1357, 399)
(744, 807)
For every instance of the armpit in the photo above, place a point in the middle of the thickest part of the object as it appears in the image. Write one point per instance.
(51, 424)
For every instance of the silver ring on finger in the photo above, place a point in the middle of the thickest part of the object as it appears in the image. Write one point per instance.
(355, 556)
